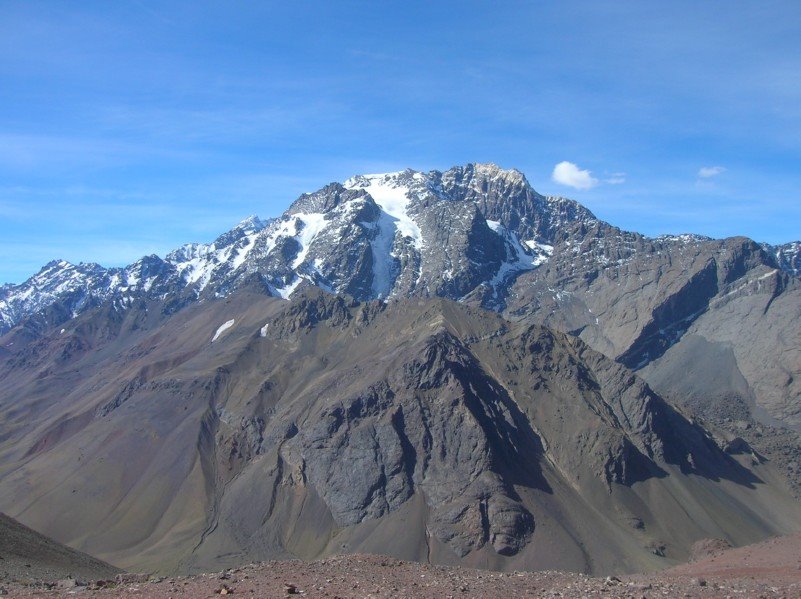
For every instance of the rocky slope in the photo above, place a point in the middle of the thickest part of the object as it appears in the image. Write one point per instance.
(723, 307)
(254, 428)
(27, 556)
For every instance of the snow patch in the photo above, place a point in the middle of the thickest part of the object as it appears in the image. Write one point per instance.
(288, 290)
(381, 246)
(303, 228)
(392, 198)
(263, 330)
(284, 228)
(518, 257)
(239, 259)
(195, 262)
(313, 224)
(223, 327)
(543, 247)
(684, 238)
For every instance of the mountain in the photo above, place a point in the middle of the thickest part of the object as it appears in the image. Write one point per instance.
(658, 308)
(61, 290)
(375, 236)
(251, 428)
(455, 367)
(481, 235)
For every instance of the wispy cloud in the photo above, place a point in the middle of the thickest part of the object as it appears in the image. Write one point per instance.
(615, 179)
(707, 172)
(567, 173)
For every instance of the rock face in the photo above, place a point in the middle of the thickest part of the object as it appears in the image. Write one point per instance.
(788, 256)
(421, 428)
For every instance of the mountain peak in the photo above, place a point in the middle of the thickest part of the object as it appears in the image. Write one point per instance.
(491, 170)
(410, 177)
(252, 224)
(57, 263)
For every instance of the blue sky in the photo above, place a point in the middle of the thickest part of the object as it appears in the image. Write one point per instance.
(131, 127)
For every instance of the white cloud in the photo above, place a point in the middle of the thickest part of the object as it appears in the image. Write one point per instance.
(706, 172)
(616, 179)
(567, 173)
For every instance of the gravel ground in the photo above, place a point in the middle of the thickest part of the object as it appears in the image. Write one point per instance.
(746, 572)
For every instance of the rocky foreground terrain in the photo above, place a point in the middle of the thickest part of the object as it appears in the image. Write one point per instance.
(768, 569)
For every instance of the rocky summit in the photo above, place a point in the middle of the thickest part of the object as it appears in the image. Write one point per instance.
(445, 367)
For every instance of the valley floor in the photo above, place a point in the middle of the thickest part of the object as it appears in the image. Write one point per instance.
(768, 569)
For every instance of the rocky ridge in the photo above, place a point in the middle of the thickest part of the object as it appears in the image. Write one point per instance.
(788, 256)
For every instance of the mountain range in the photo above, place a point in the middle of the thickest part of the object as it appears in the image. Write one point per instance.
(465, 371)
(481, 235)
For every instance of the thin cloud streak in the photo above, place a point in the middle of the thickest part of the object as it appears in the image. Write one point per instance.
(706, 172)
